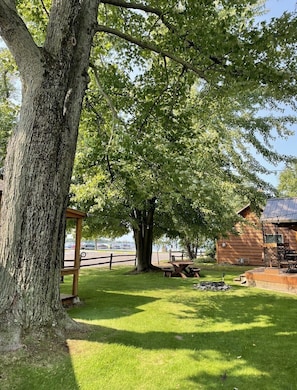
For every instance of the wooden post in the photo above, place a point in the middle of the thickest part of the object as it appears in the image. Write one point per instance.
(110, 261)
(78, 217)
(77, 256)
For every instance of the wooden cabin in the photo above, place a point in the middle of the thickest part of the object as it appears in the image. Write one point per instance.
(78, 217)
(244, 247)
(255, 243)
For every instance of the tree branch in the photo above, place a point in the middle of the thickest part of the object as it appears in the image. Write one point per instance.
(124, 4)
(44, 8)
(115, 118)
(18, 39)
(161, 15)
(141, 7)
(114, 112)
(154, 104)
(151, 47)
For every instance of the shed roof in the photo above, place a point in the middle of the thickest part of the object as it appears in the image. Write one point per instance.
(280, 211)
(76, 214)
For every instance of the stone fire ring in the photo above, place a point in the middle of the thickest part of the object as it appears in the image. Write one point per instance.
(212, 286)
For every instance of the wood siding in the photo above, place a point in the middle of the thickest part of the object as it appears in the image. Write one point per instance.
(247, 248)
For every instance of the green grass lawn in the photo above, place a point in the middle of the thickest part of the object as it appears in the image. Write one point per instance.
(147, 332)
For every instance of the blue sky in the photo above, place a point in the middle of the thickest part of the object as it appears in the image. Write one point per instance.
(276, 8)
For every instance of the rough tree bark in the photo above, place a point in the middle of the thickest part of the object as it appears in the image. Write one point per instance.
(39, 164)
(191, 250)
(143, 236)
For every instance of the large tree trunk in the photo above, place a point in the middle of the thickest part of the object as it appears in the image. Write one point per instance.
(143, 236)
(191, 250)
(38, 167)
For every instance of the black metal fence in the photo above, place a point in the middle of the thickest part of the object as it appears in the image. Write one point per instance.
(102, 260)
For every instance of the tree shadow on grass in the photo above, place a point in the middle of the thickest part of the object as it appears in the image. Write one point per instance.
(230, 357)
(111, 305)
(93, 280)
(241, 341)
(41, 366)
(236, 340)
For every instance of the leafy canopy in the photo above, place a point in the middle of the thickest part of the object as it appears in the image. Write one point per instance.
(173, 108)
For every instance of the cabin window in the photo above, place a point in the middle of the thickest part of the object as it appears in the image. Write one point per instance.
(274, 238)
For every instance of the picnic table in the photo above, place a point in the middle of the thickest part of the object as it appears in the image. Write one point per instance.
(182, 269)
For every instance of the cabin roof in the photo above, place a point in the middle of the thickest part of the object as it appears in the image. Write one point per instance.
(241, 211)
(280, 210)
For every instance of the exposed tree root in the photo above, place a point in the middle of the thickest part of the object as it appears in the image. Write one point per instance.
(13, 338)
(151, 268)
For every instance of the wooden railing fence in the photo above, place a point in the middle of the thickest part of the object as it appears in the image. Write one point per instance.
(101, 260)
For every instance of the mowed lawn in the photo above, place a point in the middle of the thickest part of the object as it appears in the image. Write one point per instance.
(148, 332)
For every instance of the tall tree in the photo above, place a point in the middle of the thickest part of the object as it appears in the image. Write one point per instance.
(170, 161)
(39, 163)
(156, 153)
(215, 41)
(288, 180)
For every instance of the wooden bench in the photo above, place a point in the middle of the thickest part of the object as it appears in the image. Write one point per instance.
(195, 272)
(167, 271)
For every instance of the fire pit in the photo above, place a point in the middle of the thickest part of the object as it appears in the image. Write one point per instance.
(212, 286)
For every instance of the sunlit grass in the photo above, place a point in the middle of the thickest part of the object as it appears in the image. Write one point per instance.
(148, 332)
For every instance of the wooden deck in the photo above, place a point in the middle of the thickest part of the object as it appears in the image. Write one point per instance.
(272, 279)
